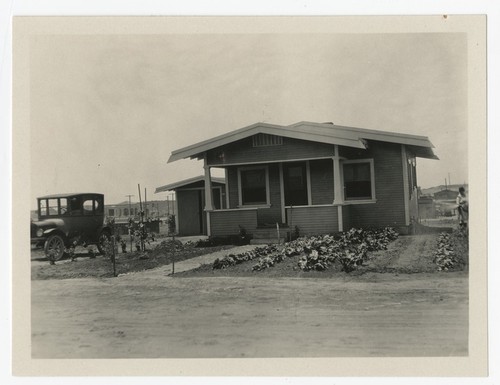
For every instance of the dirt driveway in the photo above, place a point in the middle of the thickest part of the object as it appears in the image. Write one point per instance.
(153, 315)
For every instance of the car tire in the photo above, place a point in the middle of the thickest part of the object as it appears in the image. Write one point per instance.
(54, 247)
(100, 242)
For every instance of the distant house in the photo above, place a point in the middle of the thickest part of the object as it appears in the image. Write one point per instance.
(426, 207)
(320, 177)
(156, 209)
(446, 194)
(445, 201)
(190, 203)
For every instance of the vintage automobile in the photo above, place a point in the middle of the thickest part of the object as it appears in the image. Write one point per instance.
(66, 219)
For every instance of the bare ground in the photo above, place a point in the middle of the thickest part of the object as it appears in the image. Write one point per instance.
(152, 314)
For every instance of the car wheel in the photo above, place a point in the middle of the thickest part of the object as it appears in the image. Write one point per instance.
(101, 243)
(54, 247)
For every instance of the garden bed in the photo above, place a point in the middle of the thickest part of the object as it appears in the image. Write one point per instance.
(102, 266)
(406, 255)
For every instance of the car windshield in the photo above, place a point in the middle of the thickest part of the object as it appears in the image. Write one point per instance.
(54, 206)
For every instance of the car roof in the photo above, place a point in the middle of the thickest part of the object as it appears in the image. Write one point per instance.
(68, 195)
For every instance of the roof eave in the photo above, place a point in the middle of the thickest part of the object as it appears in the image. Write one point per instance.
(195, 151)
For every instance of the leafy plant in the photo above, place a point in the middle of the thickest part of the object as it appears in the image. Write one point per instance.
(445, 256)
(350, 249)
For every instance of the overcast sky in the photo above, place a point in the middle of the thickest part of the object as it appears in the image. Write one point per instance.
(107, 111)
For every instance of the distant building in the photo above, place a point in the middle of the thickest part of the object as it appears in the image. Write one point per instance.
(445, 195)
(152, 210)
(190, 203)
(426, 207)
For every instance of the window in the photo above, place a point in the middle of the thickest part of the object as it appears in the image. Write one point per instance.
(358, 180)
(88, 206)
(111, 212)
(43, 207)
(253, 186)
(53, 207)
(125, 212)
(64, 206)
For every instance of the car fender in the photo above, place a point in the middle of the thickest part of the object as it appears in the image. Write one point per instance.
(54, 230)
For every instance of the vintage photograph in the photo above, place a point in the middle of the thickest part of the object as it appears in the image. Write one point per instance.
(269, 189)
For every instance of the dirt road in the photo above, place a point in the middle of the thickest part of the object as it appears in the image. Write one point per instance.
(148, 315)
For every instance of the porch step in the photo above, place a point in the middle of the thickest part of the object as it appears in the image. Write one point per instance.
(266, 241)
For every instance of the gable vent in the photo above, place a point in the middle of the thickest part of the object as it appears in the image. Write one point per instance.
(262, 140)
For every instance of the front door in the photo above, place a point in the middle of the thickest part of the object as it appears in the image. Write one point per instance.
(295, 184)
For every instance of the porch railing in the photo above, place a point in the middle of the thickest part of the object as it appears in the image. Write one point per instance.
(313, 219)
(228, 221)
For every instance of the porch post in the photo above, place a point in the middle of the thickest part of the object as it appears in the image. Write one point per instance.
(282, 194)
(337, 187)
(176, 213)
(209, 206)
(227, 187)
(406, 189)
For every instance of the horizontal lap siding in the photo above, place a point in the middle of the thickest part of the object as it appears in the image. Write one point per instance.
(242, 151)
(314, 220)
(228, 222)
(389, 189)
(346, 217)
(321, 181)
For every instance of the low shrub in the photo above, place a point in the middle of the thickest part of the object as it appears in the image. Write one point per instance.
(452, 250)
(234, 259)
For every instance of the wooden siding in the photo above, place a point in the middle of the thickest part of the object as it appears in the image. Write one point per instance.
(389, 189)
(313, 220)
(346, 216)
(243, 151)
(225, 223)
(321, 181)
(190, 214)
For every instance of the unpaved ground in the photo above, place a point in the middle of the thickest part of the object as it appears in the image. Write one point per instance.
(154, 315)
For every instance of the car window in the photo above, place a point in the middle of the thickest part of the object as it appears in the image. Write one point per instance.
(53, 207)
(43, 207)
(88, 206)
(64, 206)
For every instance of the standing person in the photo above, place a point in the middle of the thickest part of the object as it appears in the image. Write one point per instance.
(463, 207)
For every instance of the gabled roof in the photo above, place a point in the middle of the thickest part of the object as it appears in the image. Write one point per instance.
(315, 132)
(186, 182)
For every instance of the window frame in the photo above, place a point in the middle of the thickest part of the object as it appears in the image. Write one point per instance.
(373, 197)
(240, 191)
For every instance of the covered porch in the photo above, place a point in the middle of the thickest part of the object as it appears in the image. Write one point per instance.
(296, 194)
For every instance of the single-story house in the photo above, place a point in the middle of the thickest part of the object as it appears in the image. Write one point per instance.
(426, 207)
(446, 195)
(190, 203)
(318, 177)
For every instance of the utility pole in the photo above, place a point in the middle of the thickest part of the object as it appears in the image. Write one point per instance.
(141, 220)
(129, 224)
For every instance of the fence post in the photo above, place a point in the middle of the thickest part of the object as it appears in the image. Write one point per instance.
(113, 255)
